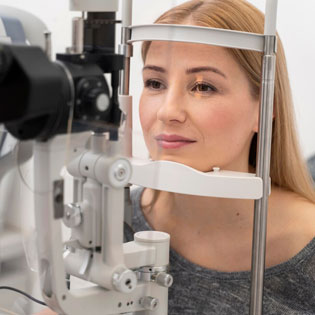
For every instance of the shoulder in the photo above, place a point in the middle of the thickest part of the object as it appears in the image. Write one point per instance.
(294, 208)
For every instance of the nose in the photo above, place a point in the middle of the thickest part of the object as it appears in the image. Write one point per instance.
(173, 108)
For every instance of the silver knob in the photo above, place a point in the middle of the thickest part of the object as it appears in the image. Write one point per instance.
(72, 215)
(149, 303)
(164, 279)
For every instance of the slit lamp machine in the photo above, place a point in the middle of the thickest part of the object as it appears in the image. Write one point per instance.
(129, 277)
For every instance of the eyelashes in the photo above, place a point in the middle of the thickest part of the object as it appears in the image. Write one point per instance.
(203, 87)
(197, 87)
(153, 84)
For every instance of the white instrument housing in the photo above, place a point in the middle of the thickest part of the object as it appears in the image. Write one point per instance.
(94, 5)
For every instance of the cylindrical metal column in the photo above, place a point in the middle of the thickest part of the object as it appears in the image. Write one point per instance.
(262, 171)
(125, 48)
(77, 35)
(125, 99)
(263, 158)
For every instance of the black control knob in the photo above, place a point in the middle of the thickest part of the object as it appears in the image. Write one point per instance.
(96, 100)
(93, 100)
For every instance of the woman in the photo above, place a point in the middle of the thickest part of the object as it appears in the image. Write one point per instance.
(200, 107)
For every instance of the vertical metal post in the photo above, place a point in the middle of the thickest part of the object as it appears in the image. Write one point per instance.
(262, 171)
(125, 48)
(125, 100)
(78, 35)
(263, 159)
(48, 45)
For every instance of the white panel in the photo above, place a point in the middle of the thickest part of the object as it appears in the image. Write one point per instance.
(94, 5)
(197, 34)
(179, 178)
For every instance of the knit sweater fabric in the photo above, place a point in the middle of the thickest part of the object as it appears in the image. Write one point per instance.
(289, 288)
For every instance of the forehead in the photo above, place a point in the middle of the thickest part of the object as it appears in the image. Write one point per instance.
(168, 53)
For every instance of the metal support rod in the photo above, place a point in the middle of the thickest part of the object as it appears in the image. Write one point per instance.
(125, 48)
(77, 35)
(48, 44)
(271, 17)
(262, 171)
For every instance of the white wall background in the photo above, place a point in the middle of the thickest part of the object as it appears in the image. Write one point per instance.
(296, 25)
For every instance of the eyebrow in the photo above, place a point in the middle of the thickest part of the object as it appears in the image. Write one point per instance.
(205, 69)
(154, 68)
(188, 71)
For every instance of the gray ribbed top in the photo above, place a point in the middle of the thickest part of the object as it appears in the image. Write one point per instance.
(289, 287)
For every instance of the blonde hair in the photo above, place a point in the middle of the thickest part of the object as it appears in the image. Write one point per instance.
(288, 169)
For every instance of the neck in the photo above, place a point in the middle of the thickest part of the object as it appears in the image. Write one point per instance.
(213, 212)
(195, 212)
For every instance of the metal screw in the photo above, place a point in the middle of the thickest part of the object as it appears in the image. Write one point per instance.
(125, 282)
(73, 216)
(120, 172)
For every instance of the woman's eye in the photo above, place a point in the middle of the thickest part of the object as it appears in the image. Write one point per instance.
(203, 88)
(153, 84)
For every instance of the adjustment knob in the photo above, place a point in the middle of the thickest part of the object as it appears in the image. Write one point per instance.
(93, 101)
(149, 303)
(164, 279)
(72, 215)
(96, 100)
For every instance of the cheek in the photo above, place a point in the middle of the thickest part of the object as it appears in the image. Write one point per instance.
(213, 123)
(226, 125)
(147, 114)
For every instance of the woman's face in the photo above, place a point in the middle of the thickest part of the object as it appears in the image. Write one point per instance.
(196, 107)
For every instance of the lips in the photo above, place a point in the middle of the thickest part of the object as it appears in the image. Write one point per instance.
(172, 141)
